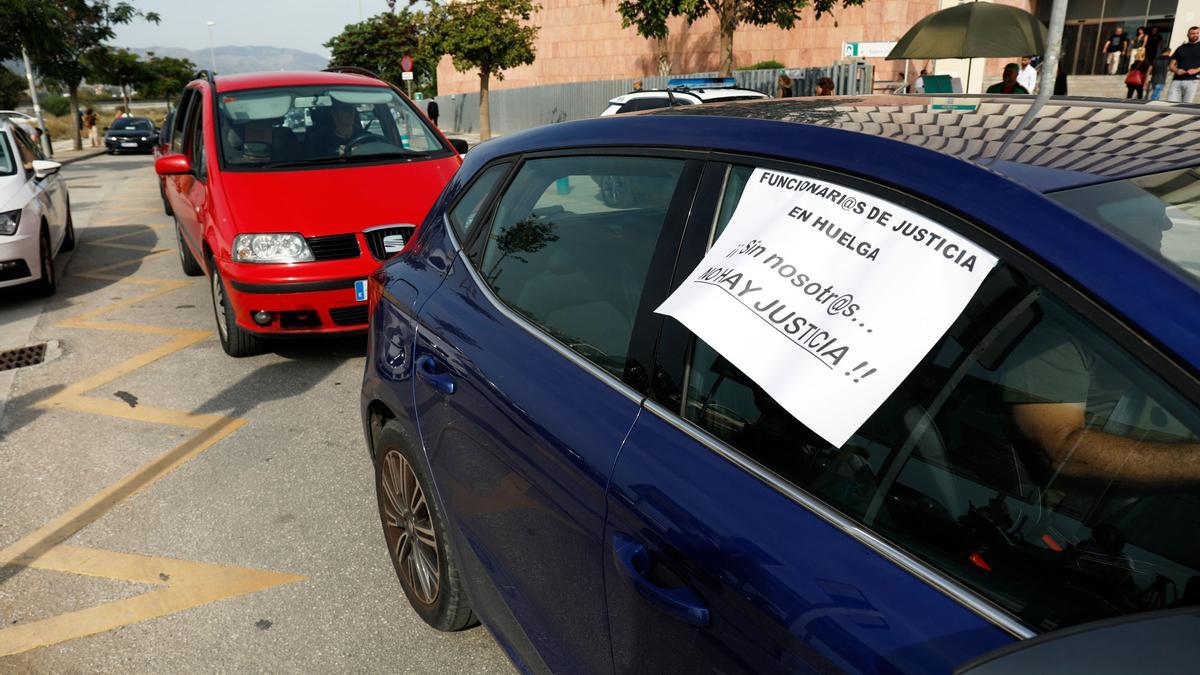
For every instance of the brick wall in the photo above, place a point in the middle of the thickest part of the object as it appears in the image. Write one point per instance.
(582, 40)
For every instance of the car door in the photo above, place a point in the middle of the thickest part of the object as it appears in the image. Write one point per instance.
(192, 188)
(738, 540)
(49, 192)
(531, 360)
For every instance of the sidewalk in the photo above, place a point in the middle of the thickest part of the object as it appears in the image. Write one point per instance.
(65, 154)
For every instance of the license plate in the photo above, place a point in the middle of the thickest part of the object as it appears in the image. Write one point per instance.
(129, 145)
(360, 290)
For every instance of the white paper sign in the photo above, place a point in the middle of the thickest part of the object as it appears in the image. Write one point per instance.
(827, 297)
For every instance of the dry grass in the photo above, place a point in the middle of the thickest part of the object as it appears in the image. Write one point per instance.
(61, 127)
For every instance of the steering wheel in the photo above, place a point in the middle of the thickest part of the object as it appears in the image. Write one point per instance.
(360, 139)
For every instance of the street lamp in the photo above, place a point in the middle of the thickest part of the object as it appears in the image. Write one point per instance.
(212, 59)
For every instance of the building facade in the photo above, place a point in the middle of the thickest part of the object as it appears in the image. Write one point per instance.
(583, 40)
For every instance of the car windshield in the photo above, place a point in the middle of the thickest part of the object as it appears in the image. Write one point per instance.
(1160, 213)
(318, 125)
(132, 124)
(8, 165)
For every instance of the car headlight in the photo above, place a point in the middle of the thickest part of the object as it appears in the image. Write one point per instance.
(271, 248)
(145, 138)
(9, 221)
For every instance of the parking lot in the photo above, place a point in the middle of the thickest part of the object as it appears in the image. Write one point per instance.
(164, 507)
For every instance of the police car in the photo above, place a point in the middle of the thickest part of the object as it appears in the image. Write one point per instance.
(682, 91)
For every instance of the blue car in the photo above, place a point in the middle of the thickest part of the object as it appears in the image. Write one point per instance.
(607, 492)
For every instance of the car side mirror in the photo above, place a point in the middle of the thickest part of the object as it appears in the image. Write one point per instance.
(44, 167)
(460, 145)
(172, 165)
(1163, 642)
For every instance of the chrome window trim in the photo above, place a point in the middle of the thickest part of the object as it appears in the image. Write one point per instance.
(608, 378)
(386, 227)
(923, 571)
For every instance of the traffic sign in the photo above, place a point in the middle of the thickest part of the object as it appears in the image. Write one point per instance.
(406, 64)
(406, 75)
(867, 49)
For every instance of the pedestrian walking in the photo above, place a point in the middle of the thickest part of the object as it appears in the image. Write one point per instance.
(1159, 69)
(431, 109)
(91, 124)
(1135, 79)
(1137, 46)
(783, 87)
(1114, 47)
(1028, 76)
(1185, 64)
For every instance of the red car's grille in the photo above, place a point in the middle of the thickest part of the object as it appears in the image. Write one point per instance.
(349, 316)
(334, 247)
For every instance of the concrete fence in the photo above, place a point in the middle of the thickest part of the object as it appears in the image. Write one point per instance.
(516, 109)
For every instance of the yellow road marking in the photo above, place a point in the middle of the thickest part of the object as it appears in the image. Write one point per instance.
(190, 583)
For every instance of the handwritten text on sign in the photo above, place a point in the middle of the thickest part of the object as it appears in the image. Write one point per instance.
(827, 297)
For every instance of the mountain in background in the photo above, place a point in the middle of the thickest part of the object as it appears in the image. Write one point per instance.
(233, 60)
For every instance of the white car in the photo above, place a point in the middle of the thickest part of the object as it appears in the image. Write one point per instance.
(35, 213)
(684, 91)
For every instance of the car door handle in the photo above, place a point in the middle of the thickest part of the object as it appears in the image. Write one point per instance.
(429, 370)
(633, 560)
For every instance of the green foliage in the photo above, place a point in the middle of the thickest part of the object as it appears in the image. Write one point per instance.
(379, 43)
(769, 64)
(166, 77)
(649, 17)
(55, 104)
(12, 88)
(487, 36)
(120, 67)
(77, 28)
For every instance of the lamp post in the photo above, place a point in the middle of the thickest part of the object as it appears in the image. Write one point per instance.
(212, 58)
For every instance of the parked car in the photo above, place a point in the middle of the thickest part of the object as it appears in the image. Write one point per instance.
(288, 221)
(131, 134)
(682, 91)
(609, 493)
(35, 213)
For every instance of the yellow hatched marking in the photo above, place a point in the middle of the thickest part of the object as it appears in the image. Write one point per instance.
(184, 584)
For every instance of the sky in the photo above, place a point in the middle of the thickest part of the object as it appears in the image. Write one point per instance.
(298, 24)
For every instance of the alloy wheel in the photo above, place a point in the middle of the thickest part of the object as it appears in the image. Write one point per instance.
(410, 534)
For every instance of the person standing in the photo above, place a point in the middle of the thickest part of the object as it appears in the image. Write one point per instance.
(1028, 76)
(431, 109)
(90, 124)
(1008, 85)
(1185, 64)
(919, 85)
(1114, 47)
(1154, 45)
(1135, 80)
(1158, 73)
(1137, 47)
(783, 87)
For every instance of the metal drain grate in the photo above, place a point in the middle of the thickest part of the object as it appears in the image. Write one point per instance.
(23, 356)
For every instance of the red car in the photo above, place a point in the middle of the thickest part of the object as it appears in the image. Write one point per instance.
(289, 189)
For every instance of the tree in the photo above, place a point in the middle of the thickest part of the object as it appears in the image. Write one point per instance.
(650, 17)
(119, 67)
(12, 88)
(59, 34)
(379, 43)
(167, 76)
(488, 36)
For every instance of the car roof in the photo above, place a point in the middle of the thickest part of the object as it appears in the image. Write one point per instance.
(1071, 142)
(292, 79)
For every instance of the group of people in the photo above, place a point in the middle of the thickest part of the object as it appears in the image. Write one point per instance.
(785, 86)
(1151, 62)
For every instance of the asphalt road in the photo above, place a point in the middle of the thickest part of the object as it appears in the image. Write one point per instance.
(165, 508)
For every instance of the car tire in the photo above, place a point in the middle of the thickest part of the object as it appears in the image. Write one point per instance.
(48, 284)
(68, 243)
(235, 340)
(187, 261)
(416, 534)
(162, 192)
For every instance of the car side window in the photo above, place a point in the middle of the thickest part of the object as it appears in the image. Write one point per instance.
(26, 149)
(571, 243)
(196, 145)
(178, 124)
(1029, 456)
(466, 213)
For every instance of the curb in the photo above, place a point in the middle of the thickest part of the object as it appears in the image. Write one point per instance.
(86, 154)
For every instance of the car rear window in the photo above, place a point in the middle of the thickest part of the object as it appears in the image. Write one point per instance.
(1159, 213)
